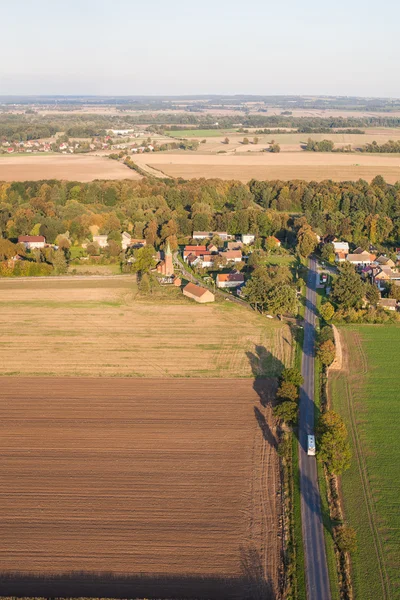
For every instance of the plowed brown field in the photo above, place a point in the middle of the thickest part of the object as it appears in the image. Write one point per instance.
(173, 480)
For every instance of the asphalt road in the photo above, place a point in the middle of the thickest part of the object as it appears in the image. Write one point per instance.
(313, 534)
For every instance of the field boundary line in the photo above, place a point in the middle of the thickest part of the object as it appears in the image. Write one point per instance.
(362, 468)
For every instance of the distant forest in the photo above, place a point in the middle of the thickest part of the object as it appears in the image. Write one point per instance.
(28, 126)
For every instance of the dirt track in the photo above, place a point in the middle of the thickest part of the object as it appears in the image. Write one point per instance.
(169, 477)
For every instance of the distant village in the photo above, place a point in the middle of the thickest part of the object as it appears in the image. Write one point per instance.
(122, 140)
(116, 139)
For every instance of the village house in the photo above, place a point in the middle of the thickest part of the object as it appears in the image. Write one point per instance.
(340, 256)
(232, 255)
(384, 261)
(361, 259)
(229, 280)
(32, 241)
(137, 243)
(237, 245)
(206, 260)
(385, 275)
(274, 239)
(388, 303)
(212, 248)
(207, 235)
(126, 240)
(195, 250)
(248, 238)
(101, 240)
(198, 294)
(342, 247)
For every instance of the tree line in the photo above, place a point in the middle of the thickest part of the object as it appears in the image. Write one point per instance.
(358, 212)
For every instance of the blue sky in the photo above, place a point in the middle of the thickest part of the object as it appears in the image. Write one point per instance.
(210, 46)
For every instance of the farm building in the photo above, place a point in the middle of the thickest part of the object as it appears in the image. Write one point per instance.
(32, 241)
(229, 280)
(198, 294)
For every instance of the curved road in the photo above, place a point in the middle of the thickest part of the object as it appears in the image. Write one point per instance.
(313, 534)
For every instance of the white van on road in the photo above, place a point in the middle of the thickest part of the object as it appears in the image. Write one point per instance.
(311, 445)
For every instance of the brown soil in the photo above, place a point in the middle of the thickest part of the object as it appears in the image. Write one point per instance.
(153, 478)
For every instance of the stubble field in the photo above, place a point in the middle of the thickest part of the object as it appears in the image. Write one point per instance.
(147, 487)
(309, 166)
(366, 394)
(70, 168)
(102, 327)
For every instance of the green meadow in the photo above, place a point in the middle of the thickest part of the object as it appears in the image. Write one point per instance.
(367, 395)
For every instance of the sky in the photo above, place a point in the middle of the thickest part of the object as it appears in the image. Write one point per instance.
(176, 47)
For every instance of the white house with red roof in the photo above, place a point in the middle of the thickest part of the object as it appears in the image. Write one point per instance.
(32, 241)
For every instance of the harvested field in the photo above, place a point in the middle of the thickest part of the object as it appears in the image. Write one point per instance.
(139, 488)
(285, 166)
(70, 168)
(104, 328)
(366, 394)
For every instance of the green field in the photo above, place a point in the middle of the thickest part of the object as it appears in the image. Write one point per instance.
(368, 398)
(185, 133)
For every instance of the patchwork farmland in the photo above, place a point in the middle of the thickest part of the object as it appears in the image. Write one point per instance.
(138, 487)
(367, 395)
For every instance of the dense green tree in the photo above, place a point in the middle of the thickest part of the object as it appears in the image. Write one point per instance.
(327, 311)
(282, 299)
(288, 391)
(292, 375)
(144, 260)
(326, 353)
(287, 411)
(306, 241)
(328, 253)
(59, 262)
(347, 289)
(334, 448)
(372, 294)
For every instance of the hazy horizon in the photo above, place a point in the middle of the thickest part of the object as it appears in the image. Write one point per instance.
(93, 47)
